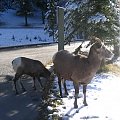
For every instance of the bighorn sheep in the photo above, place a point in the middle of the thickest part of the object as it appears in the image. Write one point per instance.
(79, 69)
(33, 68)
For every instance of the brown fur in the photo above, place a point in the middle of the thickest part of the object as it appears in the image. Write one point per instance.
(33, 68)
(79, 69)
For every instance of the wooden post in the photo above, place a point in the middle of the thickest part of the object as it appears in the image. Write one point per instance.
(60, 21)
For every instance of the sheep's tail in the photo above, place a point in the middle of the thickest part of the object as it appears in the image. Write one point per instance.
(16, 63)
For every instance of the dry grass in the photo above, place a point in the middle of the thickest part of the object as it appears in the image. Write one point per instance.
(113, 68)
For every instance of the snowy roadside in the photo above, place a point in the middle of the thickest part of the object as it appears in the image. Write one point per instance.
(102, 97)
(19, 37)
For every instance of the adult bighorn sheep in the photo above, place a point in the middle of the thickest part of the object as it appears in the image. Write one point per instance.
(33, 68)
(79, 69)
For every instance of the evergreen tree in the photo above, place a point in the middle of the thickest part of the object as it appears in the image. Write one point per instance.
(3, 6)
(92, 17)
(24, 8)
(51, 18)
(42, 4)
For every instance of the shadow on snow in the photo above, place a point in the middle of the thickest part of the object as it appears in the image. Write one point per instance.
(18, 107)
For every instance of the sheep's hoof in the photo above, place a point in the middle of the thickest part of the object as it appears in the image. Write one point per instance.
(16, 93)
(75, 105)
(85, 104)
(34, 88)
(61, 96)
(24, 90)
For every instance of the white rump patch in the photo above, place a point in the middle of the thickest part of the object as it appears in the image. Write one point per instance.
(16, 63)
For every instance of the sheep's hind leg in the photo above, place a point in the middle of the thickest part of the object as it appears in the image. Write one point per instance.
(66, 93)
(40, 82)
(84, 92)
(22, 86)
(34, 87)
(76, 86)
(59, 83)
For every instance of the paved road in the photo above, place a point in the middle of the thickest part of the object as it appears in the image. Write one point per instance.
(44, 54)
(23, 106)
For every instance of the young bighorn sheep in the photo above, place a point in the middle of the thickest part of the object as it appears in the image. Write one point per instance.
(79, 69)
(33, 68)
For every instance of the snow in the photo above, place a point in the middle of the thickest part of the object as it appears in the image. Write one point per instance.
(73, 6)
(97, 18)
(15, 37)
(102, 98)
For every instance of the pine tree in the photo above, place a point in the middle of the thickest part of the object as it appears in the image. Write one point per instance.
(42, 4)
(51, 18)
(92, 17)
(24, 9)
(3, 6)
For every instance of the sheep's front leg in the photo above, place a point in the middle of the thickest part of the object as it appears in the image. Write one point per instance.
(17, 76)
(76, 86)
(14, 80)
(84, 92)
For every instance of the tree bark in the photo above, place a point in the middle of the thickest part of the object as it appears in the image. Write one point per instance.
(43, 17)
(26, 20)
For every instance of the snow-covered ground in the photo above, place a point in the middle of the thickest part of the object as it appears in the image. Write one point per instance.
(22, 36)
(103, 100)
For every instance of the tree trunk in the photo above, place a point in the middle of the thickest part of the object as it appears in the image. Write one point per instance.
(26, 19)
(53, 35)
(43, 17)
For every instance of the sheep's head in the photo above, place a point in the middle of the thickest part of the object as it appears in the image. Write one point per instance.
(93, 40)
(100, 50)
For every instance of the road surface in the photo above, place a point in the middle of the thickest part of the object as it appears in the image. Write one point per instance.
(23, 106)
